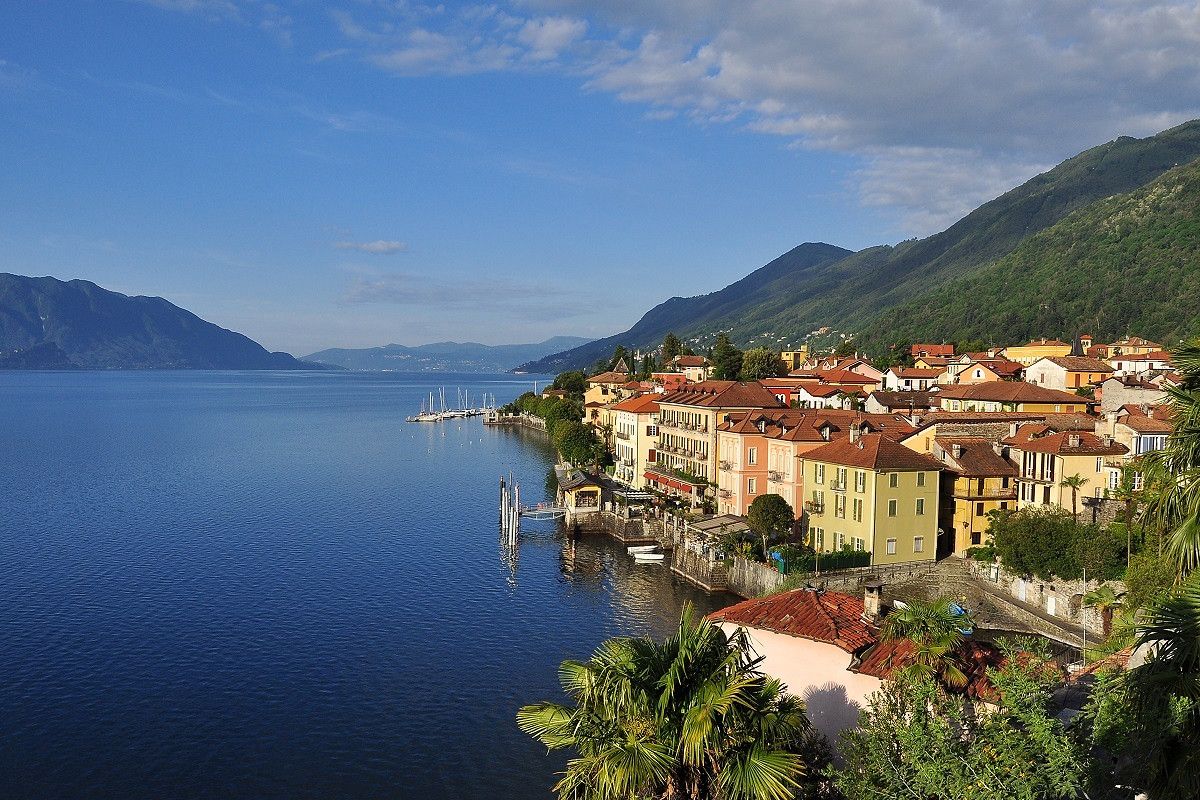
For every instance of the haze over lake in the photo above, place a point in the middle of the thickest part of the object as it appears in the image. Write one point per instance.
(269, 585)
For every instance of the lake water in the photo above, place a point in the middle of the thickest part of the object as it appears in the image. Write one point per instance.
(268, 585)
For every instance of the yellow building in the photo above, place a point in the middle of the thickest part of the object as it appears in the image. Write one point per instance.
(635, 438)
(870, 493)
(1026, 354)
(994, 396)
(1045, 457)
(795, 359)
(983, 480)
(605, 388)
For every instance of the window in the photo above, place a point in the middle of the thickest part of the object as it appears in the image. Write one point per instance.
(820, 473)
(751, 485)
(1099, 463)
(752, 456)
(979, 509)
(840, 539)
(894, 479)
(819, 537)
(839, 505)
(860, 481)
(920, 506)
(858, 509)
(920, 479)
(652, 430)
(918, 544)
(859, 544)
(891, 508)
(891, 547)
(841, 477)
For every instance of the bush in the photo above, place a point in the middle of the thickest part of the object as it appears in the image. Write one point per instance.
(803, 560)
(986, 554)
(1049, 543)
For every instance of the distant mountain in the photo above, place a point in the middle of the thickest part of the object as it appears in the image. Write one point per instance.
(706, 313)
(46, 323)
(1128, 263)
(444, 356)
(854, 291)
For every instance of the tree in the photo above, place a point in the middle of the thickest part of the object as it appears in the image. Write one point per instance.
(574, 382)
(915, 741)
(845, 349)
(578, 443)
(649, 365)
(1105, 600)
(1074, 483)
(691, 718)
(726, 359)
(761, 362)
(1173, 474)
(671, 347)
(935, 629)
(771, 518)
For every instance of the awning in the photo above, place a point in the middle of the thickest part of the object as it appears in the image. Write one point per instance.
(674, 483)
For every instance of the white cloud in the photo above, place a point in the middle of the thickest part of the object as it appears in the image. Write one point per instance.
(546, 37)
(377, 247)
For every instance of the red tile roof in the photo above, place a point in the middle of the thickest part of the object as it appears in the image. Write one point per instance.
(829, 617)
(1010, 392)
(1036, 439)
(916, 372)
(1079, 363)
(691, 361)
(886, 658)
(641, 404)
(723, 394)
(977, 458)
(609, 377)
(872, 451)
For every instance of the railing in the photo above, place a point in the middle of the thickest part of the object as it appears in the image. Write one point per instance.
(837, 486)
(726, 466)
(997, 494)
(775, 475)
(814, 508)
(725, 494)
(622, 435)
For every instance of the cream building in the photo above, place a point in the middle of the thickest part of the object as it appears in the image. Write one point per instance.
(635, 438)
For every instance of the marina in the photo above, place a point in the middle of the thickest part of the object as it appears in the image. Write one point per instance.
(437, 411)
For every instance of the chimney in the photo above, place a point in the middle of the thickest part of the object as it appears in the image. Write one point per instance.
(855, 432)
(1108, 440)
(998, 448)
(1073, 440)
(1012, 429)
(956, 450)
(872, 601)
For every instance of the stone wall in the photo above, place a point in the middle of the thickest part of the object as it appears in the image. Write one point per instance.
(1061, 599)
(752, 578)
(696, 568)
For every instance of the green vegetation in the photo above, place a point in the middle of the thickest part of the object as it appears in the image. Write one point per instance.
(936, 630)
(759, 362)
(917, 740)
(576, 441)
(1048, 543)
(692, 717)
(1117, 264)
(771, 518)
(803, 561)
(726, 359)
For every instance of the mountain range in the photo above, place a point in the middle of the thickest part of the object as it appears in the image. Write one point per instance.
(1020, 265)
(444, 356)
(46, 323)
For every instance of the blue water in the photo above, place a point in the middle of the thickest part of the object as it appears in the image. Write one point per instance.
(268, 585)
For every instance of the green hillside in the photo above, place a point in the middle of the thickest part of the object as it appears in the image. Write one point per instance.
(852, 291)
(1129, 263)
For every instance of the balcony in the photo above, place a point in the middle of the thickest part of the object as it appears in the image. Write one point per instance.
(776, 475)
(725, 494)
(813, 507)
(622, 435)
(726, 466)
(837, 486)
(987, 494)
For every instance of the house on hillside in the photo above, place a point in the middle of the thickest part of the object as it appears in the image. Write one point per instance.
(1067, 373)
(1026, 354)
(694, 368)
(871, 493)
(909, 403)
(1141, 363)
(1009, 396)
(910, 379)
(635, 438)
(981, 480)
(922, 350)
(1044, 457)
(1118, 391)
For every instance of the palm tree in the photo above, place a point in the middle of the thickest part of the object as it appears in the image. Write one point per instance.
(1173, 474)
(1166, 692)
(690, 718)
(935, 628)
(1074, 483)
(1105, 600)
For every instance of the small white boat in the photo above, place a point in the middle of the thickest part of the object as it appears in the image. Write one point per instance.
(641, 548)
(649, 557)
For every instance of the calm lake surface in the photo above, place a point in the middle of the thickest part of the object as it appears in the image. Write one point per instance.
(268, 585)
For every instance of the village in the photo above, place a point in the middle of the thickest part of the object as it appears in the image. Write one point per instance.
(892, 481)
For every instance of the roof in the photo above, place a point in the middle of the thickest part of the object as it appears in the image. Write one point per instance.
(722, 394)
(976, 657)
(915, 372)
(1010, 392)
(1039, 439)
(1045, 343)
(1160, 355)
(904, 399)
(1141, 423)
(844, 376)
(977, 457)
(830, 617)
(610, 377)
(691, 361)
(640, 404)
(872, 451)
(932, 349)
(569, 479)
(1078, 363)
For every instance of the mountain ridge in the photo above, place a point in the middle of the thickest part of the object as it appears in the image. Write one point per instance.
(858, 289)
(443, 356)
(50, 323)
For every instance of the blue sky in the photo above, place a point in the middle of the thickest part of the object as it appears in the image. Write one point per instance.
(363, 172)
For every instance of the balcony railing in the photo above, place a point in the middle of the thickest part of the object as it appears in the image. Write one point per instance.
(837, 486)
(994, 493)
(725, 494)
(775, 475)
(726, 466)
(622, 435)
(814, 507)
